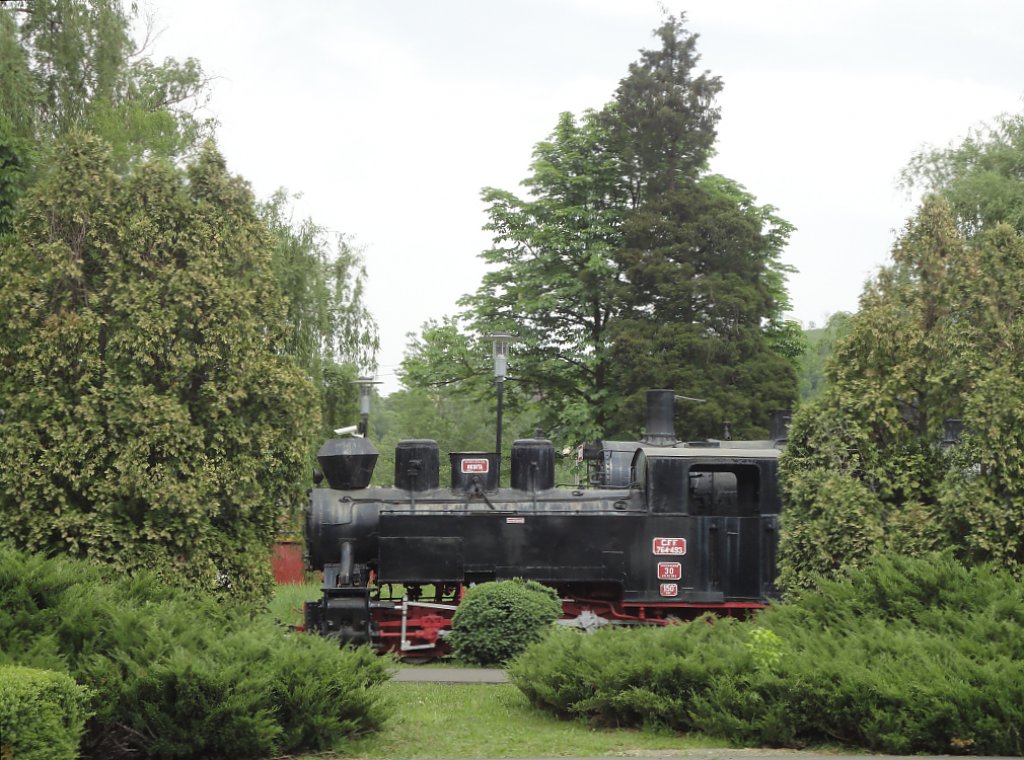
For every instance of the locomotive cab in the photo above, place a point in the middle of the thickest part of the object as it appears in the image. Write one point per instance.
(723, 502)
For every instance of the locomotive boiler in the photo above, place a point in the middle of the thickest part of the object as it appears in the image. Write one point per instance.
(665, 530)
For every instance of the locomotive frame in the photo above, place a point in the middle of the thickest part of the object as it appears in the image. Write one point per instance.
(684, 529)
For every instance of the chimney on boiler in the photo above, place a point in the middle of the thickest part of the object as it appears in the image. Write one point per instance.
(660, 429)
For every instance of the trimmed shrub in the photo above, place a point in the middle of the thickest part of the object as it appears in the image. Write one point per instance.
(178, 674)
(498, 620)
(42, 714)
(903, 656)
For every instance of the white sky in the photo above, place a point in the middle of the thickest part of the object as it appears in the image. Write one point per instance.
(389, 116)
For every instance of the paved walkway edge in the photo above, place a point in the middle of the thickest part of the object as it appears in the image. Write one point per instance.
(450, 675)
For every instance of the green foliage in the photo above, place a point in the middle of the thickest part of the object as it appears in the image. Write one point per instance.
(980, 177)
(629, 267)
(818, 347)
(15, 153)
(940, 335)
(152, 419)
(42, 714)
(85, 72)
(329, 331)
(703, 263)
(16, 120)
(663, 120)
(498, 620)
(903, 656)
(18, 93)
(175, 674)
(552, 283)
(456, 410)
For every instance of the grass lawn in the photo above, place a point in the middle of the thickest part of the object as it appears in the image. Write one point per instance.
(286, 605)
(493, 720)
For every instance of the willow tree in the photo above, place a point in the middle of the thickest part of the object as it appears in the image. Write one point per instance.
(330, 331)
(85, 70)
(152, 417)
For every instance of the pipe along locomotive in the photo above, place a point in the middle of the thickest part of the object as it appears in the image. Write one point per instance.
(664, 531)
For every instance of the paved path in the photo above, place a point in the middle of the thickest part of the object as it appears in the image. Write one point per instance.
(450, 675)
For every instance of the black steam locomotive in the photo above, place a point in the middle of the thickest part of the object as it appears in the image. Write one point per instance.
(664, 531)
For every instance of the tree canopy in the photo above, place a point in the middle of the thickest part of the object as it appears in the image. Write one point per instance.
(704, 284)
(152, 417)
(169, 345)
(70, 64)
(871, 464)
(980, 177)
(630, 266)
(330, 331)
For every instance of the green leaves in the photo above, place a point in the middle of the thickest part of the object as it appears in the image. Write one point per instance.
(173, 673)
(328, 329)
(553, 285)
(498, 620)
(902, 656)
(940, 335)
(79, 68)
(980, 177)
(152, 418)
(705, 285)
(629, 267)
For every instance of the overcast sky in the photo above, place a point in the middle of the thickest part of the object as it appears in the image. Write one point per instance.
(390, 116)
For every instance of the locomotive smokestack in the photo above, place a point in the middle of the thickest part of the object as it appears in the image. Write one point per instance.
(660, 429)
(347, 462)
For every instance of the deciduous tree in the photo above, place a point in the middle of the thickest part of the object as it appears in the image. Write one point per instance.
(87, 72)
(981, 177)
(553, 280)
(330, 330)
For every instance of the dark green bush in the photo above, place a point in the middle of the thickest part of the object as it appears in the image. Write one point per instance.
(176, 674)
(903, 656)
(42, 714)
(496, 621)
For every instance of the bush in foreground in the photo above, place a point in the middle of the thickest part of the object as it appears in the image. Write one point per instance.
(498, 620)
(175, 674)
(42, 714)
(904, 656)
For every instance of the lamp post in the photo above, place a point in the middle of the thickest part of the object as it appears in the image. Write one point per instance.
(500, 342)
(365, 391)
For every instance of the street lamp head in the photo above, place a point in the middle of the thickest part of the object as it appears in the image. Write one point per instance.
(365, 388)
(500, 342)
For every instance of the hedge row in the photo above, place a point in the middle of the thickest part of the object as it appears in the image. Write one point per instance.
(174, 674)
(42, 714)
(905, 656)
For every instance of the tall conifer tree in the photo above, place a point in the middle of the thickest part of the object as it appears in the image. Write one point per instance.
(631, 267)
